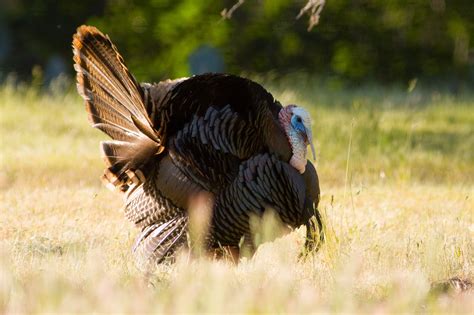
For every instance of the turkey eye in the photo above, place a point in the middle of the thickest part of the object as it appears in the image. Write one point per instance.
(298, 119)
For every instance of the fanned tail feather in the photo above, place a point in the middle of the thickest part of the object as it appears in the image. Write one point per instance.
(159, 241)
(114, 103)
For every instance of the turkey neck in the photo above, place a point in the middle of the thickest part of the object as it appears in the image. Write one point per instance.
(276, 138)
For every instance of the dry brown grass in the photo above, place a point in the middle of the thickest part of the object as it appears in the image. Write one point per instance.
(403, 219)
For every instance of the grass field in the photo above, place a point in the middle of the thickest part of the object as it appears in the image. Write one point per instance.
(397, 180)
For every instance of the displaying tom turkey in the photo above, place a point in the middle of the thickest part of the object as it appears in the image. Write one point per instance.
(218, 134)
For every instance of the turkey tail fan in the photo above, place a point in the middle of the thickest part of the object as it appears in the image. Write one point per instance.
(114, 103)
(160, 241)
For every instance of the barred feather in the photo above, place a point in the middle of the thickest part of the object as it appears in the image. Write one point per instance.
(160, 241)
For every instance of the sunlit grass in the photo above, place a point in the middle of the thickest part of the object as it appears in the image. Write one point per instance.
(399, 215)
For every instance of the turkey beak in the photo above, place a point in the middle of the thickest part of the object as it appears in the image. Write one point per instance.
(312, 148)
(310, 143)
(308, 139)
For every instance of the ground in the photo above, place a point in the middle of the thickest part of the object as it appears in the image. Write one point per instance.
(397, 180)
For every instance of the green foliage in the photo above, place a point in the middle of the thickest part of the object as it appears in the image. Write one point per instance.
(162, 34)
(355, 40)
(34, 31)
(375, 40)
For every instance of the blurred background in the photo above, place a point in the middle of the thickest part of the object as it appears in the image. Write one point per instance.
(356, 41)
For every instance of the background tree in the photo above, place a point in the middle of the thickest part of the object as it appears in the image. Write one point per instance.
(386, 41)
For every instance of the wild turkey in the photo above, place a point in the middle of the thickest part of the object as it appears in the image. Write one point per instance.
(215, 133)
